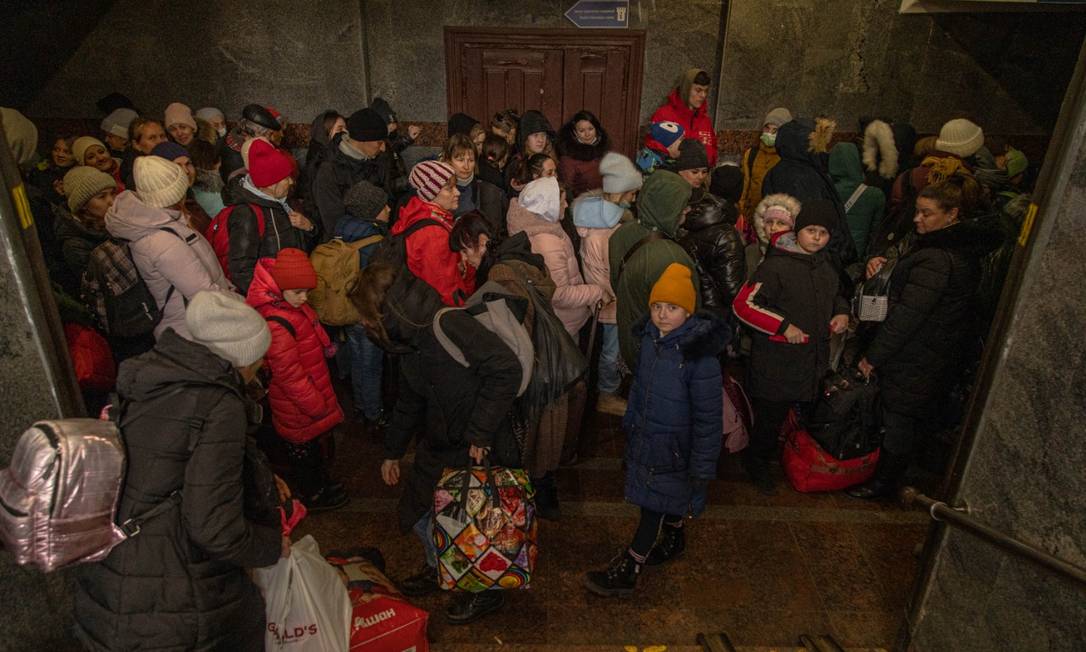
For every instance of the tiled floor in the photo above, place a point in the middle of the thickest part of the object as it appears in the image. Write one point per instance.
(764, 570)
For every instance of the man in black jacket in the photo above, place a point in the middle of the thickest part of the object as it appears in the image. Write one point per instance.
(358, 155)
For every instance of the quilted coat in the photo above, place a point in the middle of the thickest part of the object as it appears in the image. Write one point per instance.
(574, 300)
(182, 259)
(428, 254)
(674, 423)
(180, 584)
(303, 402)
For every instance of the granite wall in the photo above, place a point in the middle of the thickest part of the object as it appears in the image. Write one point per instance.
(1023, 473)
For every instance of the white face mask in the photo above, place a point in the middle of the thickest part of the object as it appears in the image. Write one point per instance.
(769, 139)
(222, 131)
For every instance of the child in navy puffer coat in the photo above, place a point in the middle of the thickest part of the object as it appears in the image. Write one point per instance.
(674, 427)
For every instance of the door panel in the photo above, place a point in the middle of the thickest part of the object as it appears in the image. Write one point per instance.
(557, 72)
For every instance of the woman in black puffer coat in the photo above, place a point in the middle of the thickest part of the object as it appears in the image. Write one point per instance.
(919, 349)
(717, 250)
(181, 583)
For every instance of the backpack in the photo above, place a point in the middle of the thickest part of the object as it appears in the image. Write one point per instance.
(410, 301)
(490, 306)
(118, 295)
(218, 233)
(336, 264)
(61, 493)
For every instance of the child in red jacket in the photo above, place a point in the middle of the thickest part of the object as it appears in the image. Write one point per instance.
(303, 403)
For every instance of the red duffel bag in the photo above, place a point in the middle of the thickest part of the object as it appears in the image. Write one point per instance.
(382, 619)
(92, 359)
(810, 468)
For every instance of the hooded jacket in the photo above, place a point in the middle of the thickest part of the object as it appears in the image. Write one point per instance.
(573, 300)
(756, 164)
(918, 351)
(181, 583)
(182, 259)
(865, 215)
(428, 254)
(247, 245)
(697, 124)
(801, 174)
(659, 207)
(338, 172)
(791, 287)
(597, 220)
(675, 416)
(303, 401)
(712, 241)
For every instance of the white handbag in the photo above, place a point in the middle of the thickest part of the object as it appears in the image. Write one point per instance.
(872, 300)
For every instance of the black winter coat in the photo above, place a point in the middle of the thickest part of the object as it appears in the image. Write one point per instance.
(450, 407)
(919, 349)
(180, 584)
(338, 172)
(802, 174)
(246, 244)
(790, 287)
(76, 241)
(717, 250)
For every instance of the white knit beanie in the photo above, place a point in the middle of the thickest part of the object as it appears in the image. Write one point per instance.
(159, 183)
(116, 123)
(83, 182)
(210, 113)
(228, 326)
(619, 174)
(178, 113)
(21, 134)
(961, 137)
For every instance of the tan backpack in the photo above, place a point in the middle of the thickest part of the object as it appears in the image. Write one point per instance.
(336, 264)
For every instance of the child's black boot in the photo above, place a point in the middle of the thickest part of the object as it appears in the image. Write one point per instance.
(618, 579)
(671, 544)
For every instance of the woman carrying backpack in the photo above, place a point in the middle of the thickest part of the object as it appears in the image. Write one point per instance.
(182, 583)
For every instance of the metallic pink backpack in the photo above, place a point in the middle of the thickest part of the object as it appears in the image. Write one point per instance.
(59, 497)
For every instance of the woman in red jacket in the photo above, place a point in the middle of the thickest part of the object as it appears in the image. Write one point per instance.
(428, 254)
(303, 403)
(687, 105)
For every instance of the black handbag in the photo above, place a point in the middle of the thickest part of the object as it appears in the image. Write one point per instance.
(844, 420)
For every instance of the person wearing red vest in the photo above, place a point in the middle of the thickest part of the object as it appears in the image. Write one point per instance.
(687, 105)
(303, 402)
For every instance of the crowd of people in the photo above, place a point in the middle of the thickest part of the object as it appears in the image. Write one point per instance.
(219, 265)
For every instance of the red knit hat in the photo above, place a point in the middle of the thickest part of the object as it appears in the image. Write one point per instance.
(267, 165)
(293, 271)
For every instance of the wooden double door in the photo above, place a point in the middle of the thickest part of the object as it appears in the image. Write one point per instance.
(555, 71)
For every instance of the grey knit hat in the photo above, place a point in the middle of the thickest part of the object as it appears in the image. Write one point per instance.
(117, 122)
(778, 117)
(619, 174)
(364, 200)
(691, 156)
(83, 182)
(228, 326)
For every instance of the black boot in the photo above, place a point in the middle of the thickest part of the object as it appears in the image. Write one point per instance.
(470, 607)
(421, 583)
(671, 544)
(887, 478)
(546, 498)
(618, 579)
(758, 471)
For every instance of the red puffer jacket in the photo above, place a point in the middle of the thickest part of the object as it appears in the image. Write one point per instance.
(303, 402)
(697, 124)
(428, 254)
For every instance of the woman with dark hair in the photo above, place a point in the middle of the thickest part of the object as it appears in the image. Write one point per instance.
(529, 169)
(461, 412)
(324, 127)
(933, 313)
(534, 136)
(582, 142)
(493, 159)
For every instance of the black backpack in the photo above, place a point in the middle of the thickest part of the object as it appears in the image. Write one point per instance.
(410, 301)
(118, 295)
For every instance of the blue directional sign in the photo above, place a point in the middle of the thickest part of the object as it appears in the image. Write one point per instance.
(607, 14)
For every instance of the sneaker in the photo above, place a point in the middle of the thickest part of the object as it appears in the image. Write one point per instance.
(469, 607)
(618, 579)
(609, 403)
(420, 584)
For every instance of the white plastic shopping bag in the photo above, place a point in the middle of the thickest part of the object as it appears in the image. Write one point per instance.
(308, 606)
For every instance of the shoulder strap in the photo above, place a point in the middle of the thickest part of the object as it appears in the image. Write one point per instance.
(258, 213)
(652, 236)
(855, 196)
(450, 347)
(751, 155)
(284, 323)
(418, 225)
(365, 242)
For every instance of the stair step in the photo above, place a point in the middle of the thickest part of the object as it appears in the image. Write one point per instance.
(545, 647)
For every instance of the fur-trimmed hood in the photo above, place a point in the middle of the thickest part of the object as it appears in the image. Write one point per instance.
(568, 145)
(703, 335)
(880, 149)
(790, 203)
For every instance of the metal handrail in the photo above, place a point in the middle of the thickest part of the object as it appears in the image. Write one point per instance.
(959, 517)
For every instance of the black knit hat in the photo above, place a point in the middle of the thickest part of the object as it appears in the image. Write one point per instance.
(261, 116)
(367, 125)
(384, 109)
(461, 123)
(691, 156)
(727, 183)
(364, 200)
(817, 212)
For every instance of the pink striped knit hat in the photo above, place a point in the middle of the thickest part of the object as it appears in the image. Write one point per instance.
(429, 177)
